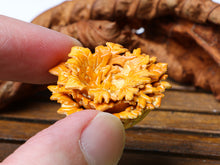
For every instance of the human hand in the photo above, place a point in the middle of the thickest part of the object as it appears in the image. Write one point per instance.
(27, 52)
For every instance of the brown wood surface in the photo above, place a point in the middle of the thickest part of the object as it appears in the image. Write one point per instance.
(6, 148)
(134, 157)
(182, 122)
(19, 131)
(184, 130)
(190, 102)
(173, 142)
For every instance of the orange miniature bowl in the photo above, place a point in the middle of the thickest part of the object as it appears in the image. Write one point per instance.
(112, 79)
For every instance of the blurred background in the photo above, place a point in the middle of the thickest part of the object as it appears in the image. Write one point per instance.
(26, 10)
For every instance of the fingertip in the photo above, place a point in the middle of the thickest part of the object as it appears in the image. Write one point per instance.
(28, 51)
(102, 141)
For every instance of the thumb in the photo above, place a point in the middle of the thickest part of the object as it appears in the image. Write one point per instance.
(86, 137)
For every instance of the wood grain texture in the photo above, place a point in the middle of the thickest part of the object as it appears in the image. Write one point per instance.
(19, 131)
(182, 122)
(173, 142)
(33, 110)
(190, 102)
(6, 148)
(132, 157)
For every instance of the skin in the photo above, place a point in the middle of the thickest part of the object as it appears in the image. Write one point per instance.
(27, 52)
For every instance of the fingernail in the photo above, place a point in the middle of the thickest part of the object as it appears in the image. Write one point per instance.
(102, 141)
(76, 42)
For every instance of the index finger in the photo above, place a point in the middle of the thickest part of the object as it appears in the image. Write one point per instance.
(28, 51)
